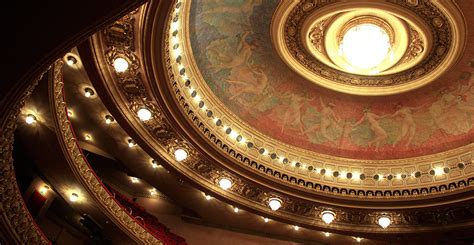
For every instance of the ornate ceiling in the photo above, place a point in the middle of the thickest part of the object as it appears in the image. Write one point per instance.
(257, 93)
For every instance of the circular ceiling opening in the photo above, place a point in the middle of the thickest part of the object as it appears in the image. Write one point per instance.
(364, 47)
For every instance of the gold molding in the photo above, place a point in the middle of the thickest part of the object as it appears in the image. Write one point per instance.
(445, 52)
(449, 158)
(14, 215)
(84, 173)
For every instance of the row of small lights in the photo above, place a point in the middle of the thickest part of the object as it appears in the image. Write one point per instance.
(144, 114)
(239, 138)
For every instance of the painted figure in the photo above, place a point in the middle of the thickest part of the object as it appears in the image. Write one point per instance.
(408, 124)
(328, 118)
(379, 133)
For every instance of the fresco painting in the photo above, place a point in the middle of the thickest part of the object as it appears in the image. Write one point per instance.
(233, 49)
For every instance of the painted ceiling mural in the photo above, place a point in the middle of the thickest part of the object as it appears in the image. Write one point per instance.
(233, 49)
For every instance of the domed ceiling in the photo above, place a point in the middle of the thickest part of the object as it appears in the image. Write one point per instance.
(239, 58)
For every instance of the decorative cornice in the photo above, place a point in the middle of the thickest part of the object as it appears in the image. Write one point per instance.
(15, 217)
(82, 170)
(160, 135)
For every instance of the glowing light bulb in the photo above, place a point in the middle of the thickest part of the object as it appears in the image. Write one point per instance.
(225, 183)
(109, 119)
(180, 155)
(120, 64)
(365, 46)
(88, 137)
(236, 209)
(131, 143)
(70, 60)
(296, 227)
(74, 197)
(134, 179)
(30, 119)
(265, 220)
(327, 234)
(384, 221)
(327, 217)
(274, 203)
(43, 190)
(88, 92)
(144, 114)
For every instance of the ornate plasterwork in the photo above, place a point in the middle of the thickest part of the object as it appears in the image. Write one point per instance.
(84, 172)
(199, 169)
(442, 42)
(302, 167)
(15, 215)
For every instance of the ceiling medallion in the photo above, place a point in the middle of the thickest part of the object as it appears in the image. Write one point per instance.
(369, 47)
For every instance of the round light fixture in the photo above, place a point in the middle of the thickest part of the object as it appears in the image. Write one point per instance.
(88, 137)
(131, 143)
(265, 220)
(120, 64)
(74, 197)
(109, 119)
(384, 221)
(365, 46)
(144, 114)
(88, 92)
(328, 216)
(274, 203)
(296, 227)
(180, 154)
(207, 197)
(71, 60)
(30, 119)
(44, 189)
(225, 183)
(236, 209)
(327, 234)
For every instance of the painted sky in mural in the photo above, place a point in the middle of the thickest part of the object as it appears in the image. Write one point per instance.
(233, 49)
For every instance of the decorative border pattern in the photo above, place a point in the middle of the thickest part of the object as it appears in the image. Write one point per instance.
(206, 173)
(84, 172)
(12, 206)
(431, 14)
(306, 169)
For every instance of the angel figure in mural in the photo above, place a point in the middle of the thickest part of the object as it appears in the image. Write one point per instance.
(255, 85)
(294, 112)
(408, 123)
(328, 118)
(244, 51)
(372, 120)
